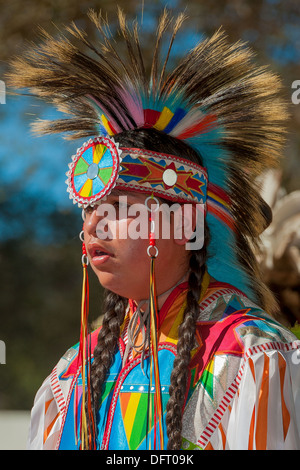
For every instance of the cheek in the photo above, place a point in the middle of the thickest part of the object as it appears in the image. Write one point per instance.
(134, 252)
(85, 234)
(117, 229)
(121, 228)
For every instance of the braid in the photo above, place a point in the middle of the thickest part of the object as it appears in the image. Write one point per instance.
(114, 308)
(186, 341)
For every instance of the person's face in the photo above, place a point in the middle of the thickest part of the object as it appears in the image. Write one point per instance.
(120, 259)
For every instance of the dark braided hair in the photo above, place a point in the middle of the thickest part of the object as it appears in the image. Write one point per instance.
(114, 313)
(115, 306)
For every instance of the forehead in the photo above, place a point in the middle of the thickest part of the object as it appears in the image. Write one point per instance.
(131, 195)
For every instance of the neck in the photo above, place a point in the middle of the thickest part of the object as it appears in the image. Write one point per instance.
(161, 298)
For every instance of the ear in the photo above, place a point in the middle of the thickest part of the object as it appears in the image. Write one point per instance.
(185, 221)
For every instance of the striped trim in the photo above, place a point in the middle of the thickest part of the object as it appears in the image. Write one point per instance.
(207, 302)
(75, 378)
(57, 391)
(233, 388)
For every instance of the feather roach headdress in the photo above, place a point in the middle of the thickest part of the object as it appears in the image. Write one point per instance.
(216, 100)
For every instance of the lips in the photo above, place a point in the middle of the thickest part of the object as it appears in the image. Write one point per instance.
(98, 254)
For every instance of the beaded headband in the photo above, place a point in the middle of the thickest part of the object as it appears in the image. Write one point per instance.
(100, 165)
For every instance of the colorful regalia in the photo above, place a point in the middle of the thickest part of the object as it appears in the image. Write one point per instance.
(242, 392)
(243, 375)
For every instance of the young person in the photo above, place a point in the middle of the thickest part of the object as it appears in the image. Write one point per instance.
(188, 355)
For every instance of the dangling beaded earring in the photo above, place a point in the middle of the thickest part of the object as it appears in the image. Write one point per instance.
(87, 421)
(152, 251)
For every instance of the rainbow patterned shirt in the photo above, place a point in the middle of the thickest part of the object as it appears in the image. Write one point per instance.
(244, 378)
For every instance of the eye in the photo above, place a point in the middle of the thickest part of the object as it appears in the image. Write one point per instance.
(120, 205)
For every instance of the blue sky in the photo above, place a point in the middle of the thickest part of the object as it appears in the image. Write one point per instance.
(37, 165)
(32, 172)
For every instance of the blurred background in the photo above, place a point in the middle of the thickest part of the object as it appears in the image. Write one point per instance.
(40, 252)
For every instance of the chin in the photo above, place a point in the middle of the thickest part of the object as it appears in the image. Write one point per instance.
(109, 282)
(128, 292)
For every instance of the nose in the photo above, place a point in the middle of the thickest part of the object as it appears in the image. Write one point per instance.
(99, 222)
(90, 222)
